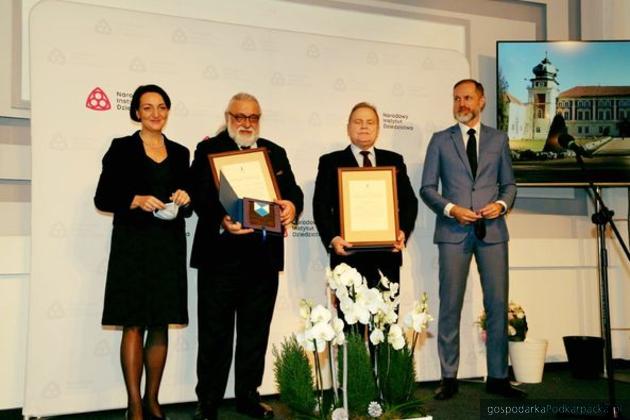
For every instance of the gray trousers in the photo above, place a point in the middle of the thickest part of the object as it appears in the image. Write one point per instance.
(492, 262)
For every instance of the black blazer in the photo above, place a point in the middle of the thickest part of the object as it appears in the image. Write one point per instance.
(124, 175)
(210, 246)
(326, 202)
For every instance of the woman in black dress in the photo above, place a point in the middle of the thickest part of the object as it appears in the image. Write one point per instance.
(143, 183)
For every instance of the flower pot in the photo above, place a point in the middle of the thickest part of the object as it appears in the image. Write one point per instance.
(585, 355)
(528, 359)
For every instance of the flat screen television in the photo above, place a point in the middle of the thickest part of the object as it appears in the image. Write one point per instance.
(554, 95)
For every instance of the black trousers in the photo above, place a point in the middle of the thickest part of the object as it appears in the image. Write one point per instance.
(241, 293)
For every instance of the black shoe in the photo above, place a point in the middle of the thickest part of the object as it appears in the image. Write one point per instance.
(504, 388)
(205, 412)
(448, 387)
(148, 415)
(252, 407)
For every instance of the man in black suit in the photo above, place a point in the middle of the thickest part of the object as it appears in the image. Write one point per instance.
(363, 128)
(237, 268)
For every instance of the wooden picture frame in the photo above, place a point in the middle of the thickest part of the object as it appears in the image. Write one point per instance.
(249, 172)
(368, 206)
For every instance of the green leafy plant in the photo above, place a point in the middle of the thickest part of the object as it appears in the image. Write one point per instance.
(293, 377)
(361, 387)
(396, 374)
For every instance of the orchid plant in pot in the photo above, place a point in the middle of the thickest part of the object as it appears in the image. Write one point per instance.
(375, 380)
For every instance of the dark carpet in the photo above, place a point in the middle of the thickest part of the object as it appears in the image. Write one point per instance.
(559, 396)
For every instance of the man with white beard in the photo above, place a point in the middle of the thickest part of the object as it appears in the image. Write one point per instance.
(237, 268)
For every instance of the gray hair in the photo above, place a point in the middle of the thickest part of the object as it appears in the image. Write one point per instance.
(242, 96)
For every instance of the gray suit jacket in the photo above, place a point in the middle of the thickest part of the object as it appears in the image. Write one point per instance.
(446, 162)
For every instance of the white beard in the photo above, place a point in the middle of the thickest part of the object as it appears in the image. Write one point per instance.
(242, 139)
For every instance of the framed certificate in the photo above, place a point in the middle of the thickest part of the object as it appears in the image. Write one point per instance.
(247, 187)
(249, 172)
(368, 206)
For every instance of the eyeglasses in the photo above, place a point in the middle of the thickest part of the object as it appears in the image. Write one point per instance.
(240, 118)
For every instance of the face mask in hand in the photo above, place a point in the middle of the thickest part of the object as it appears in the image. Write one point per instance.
(167, 213)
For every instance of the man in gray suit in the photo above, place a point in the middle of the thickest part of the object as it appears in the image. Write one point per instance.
(473, 164)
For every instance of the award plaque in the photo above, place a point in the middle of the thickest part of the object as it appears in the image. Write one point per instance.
(247, 187)
(368, 207)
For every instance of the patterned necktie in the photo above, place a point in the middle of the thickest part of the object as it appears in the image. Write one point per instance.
(367, 163)
(471, 151)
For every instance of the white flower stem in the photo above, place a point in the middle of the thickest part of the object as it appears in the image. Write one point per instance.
(333, 373)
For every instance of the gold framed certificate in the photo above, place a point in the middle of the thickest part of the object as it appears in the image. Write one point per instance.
(249, 173)
(247, 187)
(368, 206)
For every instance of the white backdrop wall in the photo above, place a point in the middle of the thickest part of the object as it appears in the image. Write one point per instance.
(306, 84)
(553, 250)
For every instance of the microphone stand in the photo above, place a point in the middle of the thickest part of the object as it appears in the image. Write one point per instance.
(602, 217)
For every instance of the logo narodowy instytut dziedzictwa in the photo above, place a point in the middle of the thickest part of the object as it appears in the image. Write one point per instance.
(97, 100)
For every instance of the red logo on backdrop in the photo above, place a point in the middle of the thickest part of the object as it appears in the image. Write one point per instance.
(97, 100)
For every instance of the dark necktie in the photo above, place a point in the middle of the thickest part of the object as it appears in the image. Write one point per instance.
(246, 147)
(367, 163)
(471, 151)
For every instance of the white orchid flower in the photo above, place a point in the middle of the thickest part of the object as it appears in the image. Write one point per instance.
(322, 332)
(395, 337)
(390, 315)
(305, 309)
(341, 293)
(340, 269)
(355, 312)
(357, 279)
(394, 287)
(418, 321)
(347, 276)
(306, 343)
(370, 298)
(340, 337)
(377, 336)
(384, 280)
(320, 314)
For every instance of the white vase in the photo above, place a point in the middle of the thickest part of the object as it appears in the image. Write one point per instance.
(528, 359)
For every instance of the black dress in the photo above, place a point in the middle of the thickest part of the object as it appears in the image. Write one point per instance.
(146, 275)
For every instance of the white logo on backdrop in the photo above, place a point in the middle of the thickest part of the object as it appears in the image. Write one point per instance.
(372, 58)
(58, 230)
(102, 348)
(339, 84)
(102, 27)
(55, 311)
(180, 109)
(52, 390)
(210, 72)
(56, 57)
(179, 36)
(248, 44)
(315, 120)
(58, 142)
(312, 51)
(137, 65)
(277, 79)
